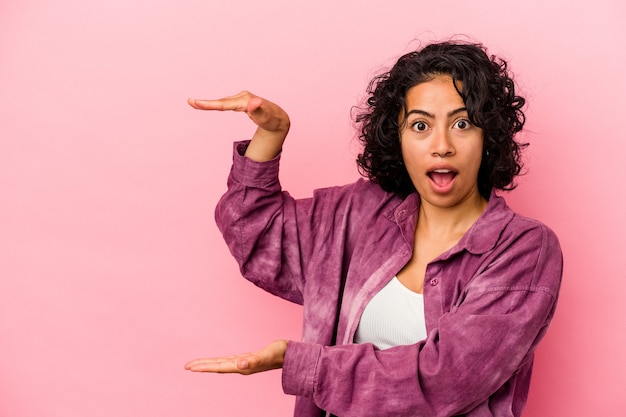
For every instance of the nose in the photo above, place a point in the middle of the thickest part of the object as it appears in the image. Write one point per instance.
(442, 144)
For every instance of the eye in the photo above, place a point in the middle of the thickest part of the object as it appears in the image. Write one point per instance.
(462, 124)
(419, 126)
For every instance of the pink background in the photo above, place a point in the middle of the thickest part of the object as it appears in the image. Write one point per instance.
(112, 272)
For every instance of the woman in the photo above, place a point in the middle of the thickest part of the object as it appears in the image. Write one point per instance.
(423, 293)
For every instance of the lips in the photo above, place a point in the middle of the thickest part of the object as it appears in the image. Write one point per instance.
(442, 176)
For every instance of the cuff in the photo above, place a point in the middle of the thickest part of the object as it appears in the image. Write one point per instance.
(252, 173)
(300, 368)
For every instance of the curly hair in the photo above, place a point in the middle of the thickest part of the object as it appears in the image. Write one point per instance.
(488, 92)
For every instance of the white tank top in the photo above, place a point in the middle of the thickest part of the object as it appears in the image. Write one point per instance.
(395, 316)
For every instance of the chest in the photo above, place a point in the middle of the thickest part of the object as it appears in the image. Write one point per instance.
(344, 277)
(442, 277)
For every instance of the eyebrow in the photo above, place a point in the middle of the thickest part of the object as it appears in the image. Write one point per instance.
(425, 113)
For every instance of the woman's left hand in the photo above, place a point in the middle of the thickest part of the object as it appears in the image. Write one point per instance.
(268, 358)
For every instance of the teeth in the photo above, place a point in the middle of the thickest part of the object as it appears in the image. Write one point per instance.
(442, 171)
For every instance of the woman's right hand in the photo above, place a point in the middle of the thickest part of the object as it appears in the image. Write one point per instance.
(272, 121)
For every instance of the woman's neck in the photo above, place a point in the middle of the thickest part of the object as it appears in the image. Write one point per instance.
(445, 223)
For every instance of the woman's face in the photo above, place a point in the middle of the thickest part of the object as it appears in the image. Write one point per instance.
(442, 150)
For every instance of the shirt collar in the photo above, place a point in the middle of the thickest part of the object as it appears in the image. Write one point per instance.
(481, 237)
(485, 232)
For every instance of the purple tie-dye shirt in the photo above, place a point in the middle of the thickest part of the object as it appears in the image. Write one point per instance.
(488, 300)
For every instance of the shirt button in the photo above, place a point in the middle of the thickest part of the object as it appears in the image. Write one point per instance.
(434, 282)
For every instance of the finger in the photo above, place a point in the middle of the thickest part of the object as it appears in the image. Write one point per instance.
(240, 365)
(223, 104)
(218, 365)
(221, 364)
(238, 102)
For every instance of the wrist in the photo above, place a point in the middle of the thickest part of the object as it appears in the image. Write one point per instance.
(265, 145)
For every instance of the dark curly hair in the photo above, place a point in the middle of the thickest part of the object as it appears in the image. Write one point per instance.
(489, 95)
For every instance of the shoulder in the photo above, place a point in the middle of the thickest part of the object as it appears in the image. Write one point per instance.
(361, 194)
(531, 231)
(531, 248)
(501, 225)
(354, 207)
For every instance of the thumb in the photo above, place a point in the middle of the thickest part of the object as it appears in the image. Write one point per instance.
(254, 104)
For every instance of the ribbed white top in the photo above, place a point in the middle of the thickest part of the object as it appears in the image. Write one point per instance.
(395, 316)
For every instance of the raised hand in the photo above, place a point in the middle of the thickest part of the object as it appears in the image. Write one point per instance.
(271, 120)
(268, 358)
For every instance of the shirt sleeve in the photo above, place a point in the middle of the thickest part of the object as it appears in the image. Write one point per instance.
(268, 232)
(476, 348)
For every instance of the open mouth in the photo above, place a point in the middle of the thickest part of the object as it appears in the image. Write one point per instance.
(442, 177)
